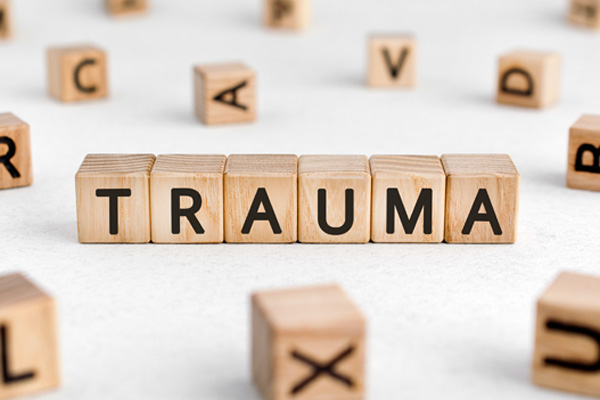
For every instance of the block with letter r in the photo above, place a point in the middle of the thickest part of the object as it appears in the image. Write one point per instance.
(583, 171)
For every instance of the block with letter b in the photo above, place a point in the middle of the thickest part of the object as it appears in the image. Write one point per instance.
(113, 198)
(392, 61)
(482, 198)
(409, 195)
(585, 13)
(28, 338)
(261, 198)
(291, 14)
(567, 340)
(5, 19)
(187, 199)
(125, 7)
(529, 79)
(308, 344)
(225, 93)
(583, 171)
(15, 153)
(77, 73)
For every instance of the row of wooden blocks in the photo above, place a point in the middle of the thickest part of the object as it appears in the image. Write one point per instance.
(283, 199)
(309, 342)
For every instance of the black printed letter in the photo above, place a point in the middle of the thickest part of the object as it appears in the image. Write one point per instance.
(517, 71)
(229, 96)
(482, 198)
(113, 195)
(77, 73)
(322, 211)
(395, 69)
(424, 205)
(190, 213)
(592, 367)
(595, 167)
(5, 159)
(261, 197)
(7, 377)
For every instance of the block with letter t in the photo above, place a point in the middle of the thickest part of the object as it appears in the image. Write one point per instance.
(583, 170)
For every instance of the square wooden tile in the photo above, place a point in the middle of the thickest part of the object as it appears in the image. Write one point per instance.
(290, 14)
(585, 13)
(392, 61)
(5, 19)
(583, 170)
(15, 152)
(126, 7)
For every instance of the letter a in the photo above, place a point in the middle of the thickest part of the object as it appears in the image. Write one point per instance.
(482, 199)
(230, 96)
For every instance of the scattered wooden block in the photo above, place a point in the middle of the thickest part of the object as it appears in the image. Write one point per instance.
(126, 7)
(392, 61)
(585, 13)
(28, 338)
(113, 198)
(225, 93)
(567, 341)
(583, 171)
(5, 19)
(308, 343)
(187, 199)
(77, 73)
(15, 153)
(261, 199)
(408, 200)
(334, 199)
(291, 14)
(482, 198)
(529, 79)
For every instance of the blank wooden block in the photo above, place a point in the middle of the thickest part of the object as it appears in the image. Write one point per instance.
(126, 7)
(583, 171)
(567, 341)
(482, 198)
(308, 343)
(585, 13)
(225, 93)
(291, 14)
(186, 194)
(392, 61)
(113, 198)
(15, 153)
(77, 73)
(409, 195)
(5, 19)
(529, 79)
(334, 199)
(261, 203)
(28, 338)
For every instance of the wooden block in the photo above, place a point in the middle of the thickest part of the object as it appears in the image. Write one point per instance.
(291, 14)
(113, 198)
(15, 153)
(529, 79)
(261, 199)
(5, 19)
(186, 194)
(585, 13)
(583, 171)
(567, 341)
(77, 73)
(334, 199)
(482, 198)
(409, 196)
(308, 343)
(28, 338)
(225, 93)
(126, 7)
(392, 61)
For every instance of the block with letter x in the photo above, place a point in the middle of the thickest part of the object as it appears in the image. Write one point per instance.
(308, 344)
(583, 171)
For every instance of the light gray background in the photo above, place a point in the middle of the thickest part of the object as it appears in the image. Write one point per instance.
(156, 322)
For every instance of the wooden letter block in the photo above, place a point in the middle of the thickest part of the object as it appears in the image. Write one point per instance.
(15, 153)
(334, 199)
(409, 196)
(5, 19)
(392, 61)
(585, 13)
(125, 7)
(261, 199)
(186, 194)
(529, 79)
(583, 171)
(225, 93)
(308, 344)
(77, 73)
(113, 198)
(482, 198)
(567, 340)
(291, 14)
(28, 338)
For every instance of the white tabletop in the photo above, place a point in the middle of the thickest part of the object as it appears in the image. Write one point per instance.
(157, 321)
